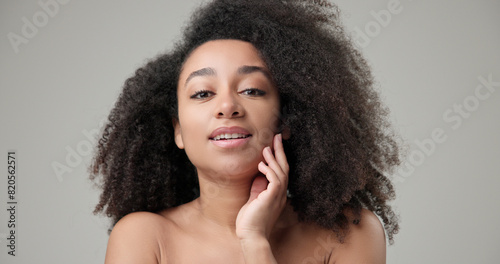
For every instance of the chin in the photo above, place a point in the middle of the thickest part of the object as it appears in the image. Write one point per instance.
(240, 167)
(232, 168)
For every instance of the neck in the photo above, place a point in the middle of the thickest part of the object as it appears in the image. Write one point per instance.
(220, 201)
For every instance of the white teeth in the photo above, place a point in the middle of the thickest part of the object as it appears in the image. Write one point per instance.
(229, 136)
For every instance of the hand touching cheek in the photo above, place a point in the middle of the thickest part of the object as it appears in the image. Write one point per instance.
(267, 199)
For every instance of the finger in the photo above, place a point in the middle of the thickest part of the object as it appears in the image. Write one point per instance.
(278, 181)
(274, 182)
(279, 153)
(272, 163)
(266, 170)
(259, 185)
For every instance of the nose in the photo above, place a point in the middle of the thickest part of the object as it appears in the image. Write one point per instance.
(228, 106)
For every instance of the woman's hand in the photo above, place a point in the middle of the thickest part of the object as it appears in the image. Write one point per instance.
(268, 196)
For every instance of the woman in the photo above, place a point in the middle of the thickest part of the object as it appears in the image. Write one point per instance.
(257, 139)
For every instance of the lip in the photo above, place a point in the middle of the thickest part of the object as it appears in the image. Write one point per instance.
(230, 143)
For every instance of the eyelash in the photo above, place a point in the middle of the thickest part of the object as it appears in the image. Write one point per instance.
(258, 91)
(198, 94)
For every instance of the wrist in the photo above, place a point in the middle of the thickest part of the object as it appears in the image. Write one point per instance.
(257, 249)
(254, 240)
(251, 235)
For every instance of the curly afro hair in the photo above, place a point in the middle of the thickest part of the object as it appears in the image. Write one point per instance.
(340, 146)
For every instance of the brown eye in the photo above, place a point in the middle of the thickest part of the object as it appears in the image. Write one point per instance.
(253, 92)
(203, 94)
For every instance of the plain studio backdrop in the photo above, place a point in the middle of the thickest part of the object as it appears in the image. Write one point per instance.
(63, 64)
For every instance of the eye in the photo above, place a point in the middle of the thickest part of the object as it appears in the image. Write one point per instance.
(253, 92)
(203, 94)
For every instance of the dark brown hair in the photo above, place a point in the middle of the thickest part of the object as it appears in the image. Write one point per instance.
(340, 145)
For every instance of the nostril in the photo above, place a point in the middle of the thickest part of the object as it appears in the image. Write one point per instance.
(228, 114)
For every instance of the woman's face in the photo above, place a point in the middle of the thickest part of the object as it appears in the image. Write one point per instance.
(228, 108)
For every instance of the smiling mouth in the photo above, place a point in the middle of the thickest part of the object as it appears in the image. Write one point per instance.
(230, 136)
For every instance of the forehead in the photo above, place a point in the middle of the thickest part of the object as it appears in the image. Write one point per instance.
(223, 54)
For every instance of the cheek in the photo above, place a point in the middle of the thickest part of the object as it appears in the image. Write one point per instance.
(191, 129)
(268, 124)
(191, 125)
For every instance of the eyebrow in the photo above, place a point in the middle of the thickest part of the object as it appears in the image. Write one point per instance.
(200, 72)
(251, 69)
(246, 69)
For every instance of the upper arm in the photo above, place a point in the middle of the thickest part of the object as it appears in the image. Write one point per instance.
(365, 243)
(134, 240)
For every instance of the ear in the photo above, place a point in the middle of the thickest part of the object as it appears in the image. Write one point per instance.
(177, 133)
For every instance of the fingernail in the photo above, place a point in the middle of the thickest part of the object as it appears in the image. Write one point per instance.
(268, 149)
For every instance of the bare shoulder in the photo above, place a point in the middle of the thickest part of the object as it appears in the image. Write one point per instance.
(365, 242)
(134, 239)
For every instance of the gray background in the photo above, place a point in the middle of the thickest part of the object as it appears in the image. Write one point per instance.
(429, 58)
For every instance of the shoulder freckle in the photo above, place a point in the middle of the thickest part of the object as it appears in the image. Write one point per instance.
(365, 241)
(369, 225)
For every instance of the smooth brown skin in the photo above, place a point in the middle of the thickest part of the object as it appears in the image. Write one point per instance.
(240, 217)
